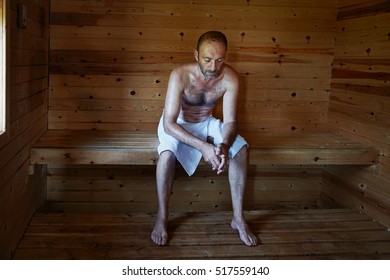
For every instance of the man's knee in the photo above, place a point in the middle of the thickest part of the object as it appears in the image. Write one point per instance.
(242, 155)
(167, 157)
(244, 151)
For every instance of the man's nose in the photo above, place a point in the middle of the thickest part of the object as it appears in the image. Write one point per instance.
(212, 65)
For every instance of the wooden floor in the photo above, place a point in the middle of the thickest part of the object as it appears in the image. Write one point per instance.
(283, 234)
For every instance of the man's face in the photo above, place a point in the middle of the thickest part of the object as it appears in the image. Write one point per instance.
(210, 57)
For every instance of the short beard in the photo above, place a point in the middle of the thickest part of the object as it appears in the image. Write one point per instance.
(207, 74)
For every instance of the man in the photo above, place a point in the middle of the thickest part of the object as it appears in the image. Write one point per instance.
(187, 130)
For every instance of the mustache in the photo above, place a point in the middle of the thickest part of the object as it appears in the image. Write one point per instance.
(211, 72)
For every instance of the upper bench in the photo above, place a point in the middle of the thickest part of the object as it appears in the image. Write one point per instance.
(129, 148)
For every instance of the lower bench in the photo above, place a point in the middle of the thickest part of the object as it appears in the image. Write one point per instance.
(129, 148)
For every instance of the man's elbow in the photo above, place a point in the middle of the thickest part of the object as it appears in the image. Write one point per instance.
(168, 127)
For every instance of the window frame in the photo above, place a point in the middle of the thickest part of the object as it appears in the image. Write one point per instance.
(5, 75)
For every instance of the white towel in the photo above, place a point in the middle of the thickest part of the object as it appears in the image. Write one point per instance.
(188, 156)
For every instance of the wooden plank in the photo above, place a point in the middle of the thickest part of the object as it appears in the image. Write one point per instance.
(375, 136)
(273, 54)
(259, 37)
(138, 45)
(363, 23)
(266, 238)
(371, 49)
(364, 180)
(359, 99)
(124, 93)
(287, 68)
(152, 117)
(101, 148)
(160, 82)
(256, 184)
(319, 156)
(144, 106)
(350, 197)
(141, 207)
(289, 22)
(259, 155)
(277, 3)
(375, 7)
(374, 34)
(190, 197)
(272, 216)
(203, 11)
(322, 251)
(93, 156)
(124, 172)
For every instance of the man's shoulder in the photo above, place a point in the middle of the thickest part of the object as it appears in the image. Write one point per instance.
(230, 74)
(230, 70)
(183, 71)
(186, 67)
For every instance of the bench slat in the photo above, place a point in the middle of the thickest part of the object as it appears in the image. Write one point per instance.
(117, 147)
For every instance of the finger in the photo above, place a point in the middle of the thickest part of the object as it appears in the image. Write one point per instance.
(223, 160)
(217, 162)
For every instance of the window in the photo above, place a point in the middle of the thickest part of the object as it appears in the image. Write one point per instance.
(3, 68)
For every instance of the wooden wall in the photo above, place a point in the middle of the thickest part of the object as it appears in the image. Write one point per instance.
(109, 67)
(360, 104)
(110, 60)
(21, 194)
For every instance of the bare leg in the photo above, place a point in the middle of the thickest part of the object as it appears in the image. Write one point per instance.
(238, 167)
(165, 176)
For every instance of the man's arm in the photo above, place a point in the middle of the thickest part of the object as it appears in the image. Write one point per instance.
(230, 100)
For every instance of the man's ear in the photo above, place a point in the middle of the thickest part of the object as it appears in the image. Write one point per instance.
(196, 54)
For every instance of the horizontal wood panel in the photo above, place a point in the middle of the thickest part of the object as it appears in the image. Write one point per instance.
(364, 8)
(363, 24)
(369, 50)
(275, 3)
(253, 69)
(194, 185)
(209, 12)
(279, 37)
(126, 93)
(363, 180)
(66, 147)
(265, 55)
(160, 81)
(205, 196)
(145, 106)
(138, 45)
(354, 198)
(312, 125)
(290, 22)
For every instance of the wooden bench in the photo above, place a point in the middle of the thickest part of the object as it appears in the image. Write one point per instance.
(129, 148)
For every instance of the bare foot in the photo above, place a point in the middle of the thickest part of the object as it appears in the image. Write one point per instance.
(245, 233)
(159, 234)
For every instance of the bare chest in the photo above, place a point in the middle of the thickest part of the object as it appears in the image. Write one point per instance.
(198, 95)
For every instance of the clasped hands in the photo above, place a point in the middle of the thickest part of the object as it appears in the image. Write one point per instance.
(216, 156)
